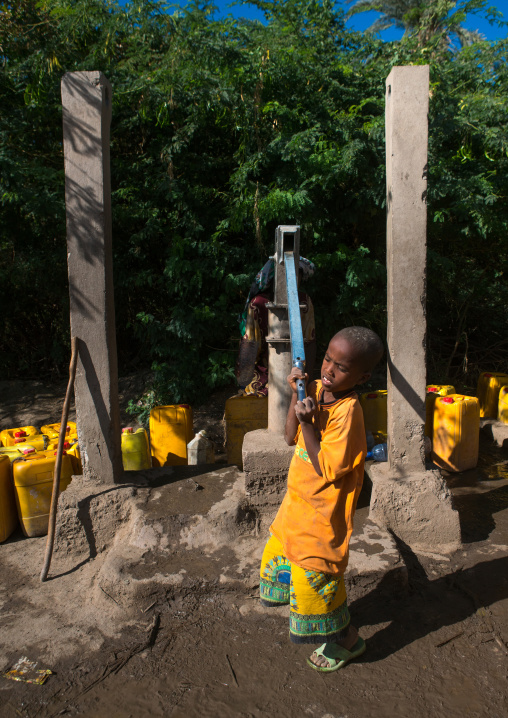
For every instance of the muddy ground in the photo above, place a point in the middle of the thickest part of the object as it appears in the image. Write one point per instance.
(203, 647)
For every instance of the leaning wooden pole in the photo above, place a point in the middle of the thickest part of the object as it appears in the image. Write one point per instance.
(58, 463)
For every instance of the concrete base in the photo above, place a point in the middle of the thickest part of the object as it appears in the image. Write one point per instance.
(89, 515)
(417, 508)
(180, 531)
(266, 459)
(496, 431)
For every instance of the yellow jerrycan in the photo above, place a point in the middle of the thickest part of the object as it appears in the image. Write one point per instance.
(456, 434)
(39, 442)
(53, 431)
(171, 429)
(75, 454)
(487, 392)
(11, 437)
(71, 448)
(14, 452)
(432, 392)
(8, 513)
(33, 485)
(243, 414)
(502, 412)
(135, 449)
(375, 412)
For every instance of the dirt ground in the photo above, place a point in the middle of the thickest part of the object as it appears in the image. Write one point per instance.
(206, 648)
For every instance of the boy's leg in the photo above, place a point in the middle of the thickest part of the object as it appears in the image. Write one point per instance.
(275, 575)
(319, 613)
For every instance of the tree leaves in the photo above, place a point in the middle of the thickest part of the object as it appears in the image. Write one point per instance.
(223, 129)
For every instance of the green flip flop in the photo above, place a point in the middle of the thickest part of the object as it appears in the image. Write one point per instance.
(337, 656)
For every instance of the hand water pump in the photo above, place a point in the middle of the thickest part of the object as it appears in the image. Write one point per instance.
(287, 258)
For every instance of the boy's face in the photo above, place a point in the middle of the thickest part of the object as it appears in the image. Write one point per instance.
(341, 369)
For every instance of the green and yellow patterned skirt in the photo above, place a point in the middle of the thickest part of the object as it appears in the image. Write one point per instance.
(318, 603)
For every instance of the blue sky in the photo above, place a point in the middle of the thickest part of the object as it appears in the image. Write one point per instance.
(362, 21)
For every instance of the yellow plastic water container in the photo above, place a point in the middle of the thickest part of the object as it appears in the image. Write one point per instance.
(432, 392)
(10, 437)
(135, 449)
(40, 442)
(456, 433)
(53, 431)
(8, 513)
(75, 455)
(489, 385)
(375, 411)
(71, 448)
(13, 452)
(243, 414)
(33, 485)
(502, 412)
(171, 429)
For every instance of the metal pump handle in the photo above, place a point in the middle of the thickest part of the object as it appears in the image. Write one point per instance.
(295, 322)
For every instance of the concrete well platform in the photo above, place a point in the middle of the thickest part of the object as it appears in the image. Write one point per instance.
(168, 532)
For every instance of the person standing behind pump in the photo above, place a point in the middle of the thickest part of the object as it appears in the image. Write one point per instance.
(252, 363)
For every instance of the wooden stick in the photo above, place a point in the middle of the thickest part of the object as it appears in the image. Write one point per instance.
(232, 671)
(447, 640)
(58, 463)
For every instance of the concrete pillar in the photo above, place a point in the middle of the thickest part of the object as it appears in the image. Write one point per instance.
(407, 104)
(86, 102)
(409, 500)
(265, 454)
(279, 366)
(287, 239)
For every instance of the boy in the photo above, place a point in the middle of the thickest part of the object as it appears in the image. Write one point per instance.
(306, 555)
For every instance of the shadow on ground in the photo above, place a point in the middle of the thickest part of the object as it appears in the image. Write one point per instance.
(430, 605)
(481, 493)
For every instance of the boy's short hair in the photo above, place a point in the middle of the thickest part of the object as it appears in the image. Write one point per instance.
(366, 342)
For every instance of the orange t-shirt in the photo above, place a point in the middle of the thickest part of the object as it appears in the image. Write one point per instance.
(315, 520)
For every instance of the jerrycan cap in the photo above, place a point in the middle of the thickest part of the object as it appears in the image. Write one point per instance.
(447, 400)
(64, 453)
(487, 376)
(128, 430)
(66, 445)
(26, 452)
(67, 429)
(373, 395)
(184, 406)
(432, 389)
(19, 433)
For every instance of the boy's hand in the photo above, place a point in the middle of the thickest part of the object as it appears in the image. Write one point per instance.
(296, 373)
(305, 410)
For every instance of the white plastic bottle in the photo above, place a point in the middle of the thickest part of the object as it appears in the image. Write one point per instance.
(200, 450)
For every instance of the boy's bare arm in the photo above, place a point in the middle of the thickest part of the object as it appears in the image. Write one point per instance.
(291, 423)
(292, 420)
(305, 411)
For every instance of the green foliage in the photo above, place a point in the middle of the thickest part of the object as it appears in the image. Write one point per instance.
(223, 129)
(440, 20)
